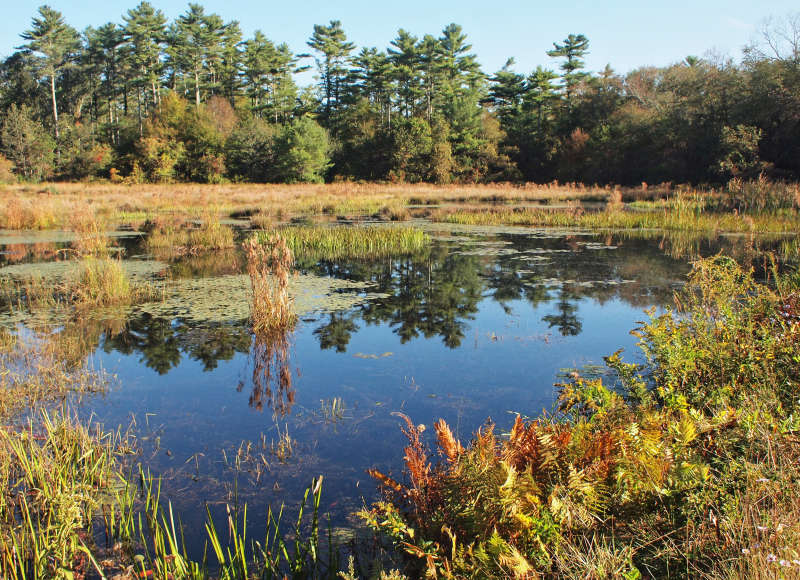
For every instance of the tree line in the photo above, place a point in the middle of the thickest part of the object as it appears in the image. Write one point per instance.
(148, 100)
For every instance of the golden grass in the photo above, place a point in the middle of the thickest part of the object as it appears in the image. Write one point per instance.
(177, 237)
(269, 265)
(48, 206)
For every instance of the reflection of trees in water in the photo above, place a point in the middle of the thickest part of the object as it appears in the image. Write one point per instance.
(566, 318)
(436, 292)
(432, 293)
(336, 332)
(272, 374)
(162, 342)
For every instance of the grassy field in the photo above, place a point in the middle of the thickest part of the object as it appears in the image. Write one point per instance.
(49, 206)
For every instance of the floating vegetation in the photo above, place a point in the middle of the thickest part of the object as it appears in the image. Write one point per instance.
(226, 298)
(50, 289)
(313, 243)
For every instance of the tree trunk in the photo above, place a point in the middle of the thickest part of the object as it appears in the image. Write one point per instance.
(53, 95)
(196, 89)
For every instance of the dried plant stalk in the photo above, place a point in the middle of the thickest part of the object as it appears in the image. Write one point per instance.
(269, 265)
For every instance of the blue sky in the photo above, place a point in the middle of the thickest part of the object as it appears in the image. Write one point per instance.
(624, 33)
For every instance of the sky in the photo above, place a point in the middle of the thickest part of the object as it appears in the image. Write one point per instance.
(625, 34)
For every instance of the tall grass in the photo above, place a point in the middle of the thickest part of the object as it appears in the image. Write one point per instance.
(64, 488)
(102, 282)
(269, 265)
(675, 219)
(338, 242)
(52, 473)
(176, 236)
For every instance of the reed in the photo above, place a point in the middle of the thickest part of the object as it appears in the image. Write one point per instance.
(678, 219)
(269, 265)
(338, 243)
(178, 237)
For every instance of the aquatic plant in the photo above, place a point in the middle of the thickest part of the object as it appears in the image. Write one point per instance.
(269, 265)
(180, 237)
(312, 243)
(623, 219)
(102, 282)
(64, 481)
(686, 462)
(53, 474)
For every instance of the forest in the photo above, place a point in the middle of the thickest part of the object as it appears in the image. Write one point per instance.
(145, 100)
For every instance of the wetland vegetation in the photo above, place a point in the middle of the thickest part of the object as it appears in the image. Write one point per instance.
(493, 378)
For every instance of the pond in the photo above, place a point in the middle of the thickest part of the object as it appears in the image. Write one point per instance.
(479, 326)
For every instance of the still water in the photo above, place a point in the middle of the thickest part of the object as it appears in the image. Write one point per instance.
(479, 327)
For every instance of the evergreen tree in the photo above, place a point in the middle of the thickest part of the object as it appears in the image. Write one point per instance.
(405, 61)
(144, 33)
(54, 44)
(575, 47)
(333, 63)
(196, 49)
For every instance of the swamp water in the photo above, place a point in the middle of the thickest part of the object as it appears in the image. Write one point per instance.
(479, 326)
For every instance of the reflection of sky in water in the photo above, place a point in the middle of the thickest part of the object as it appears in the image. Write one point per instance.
(476, 328)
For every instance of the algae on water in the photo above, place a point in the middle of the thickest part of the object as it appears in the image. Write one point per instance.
(227, 298)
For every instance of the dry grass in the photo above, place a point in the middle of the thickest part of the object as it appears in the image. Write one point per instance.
(269, 265)
(175, 236)
(49, 206)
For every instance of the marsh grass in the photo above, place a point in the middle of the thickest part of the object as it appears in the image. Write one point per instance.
(680, 218)
(91, 234)
(131, 204)
(360, 242)
(53, 472)
(65, 487)
(35, 371)
(682, 466)
(175, 236)
(269, 265)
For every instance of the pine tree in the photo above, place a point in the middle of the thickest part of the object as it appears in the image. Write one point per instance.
(333, 64)
(55, 44)
(196, 48)
(405, 59)
(575, 47)
(144, 33)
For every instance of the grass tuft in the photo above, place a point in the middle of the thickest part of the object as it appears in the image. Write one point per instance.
(269, 265)
(338, 242)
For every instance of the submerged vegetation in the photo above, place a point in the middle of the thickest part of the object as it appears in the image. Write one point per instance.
(70, 509)
(683, 466)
